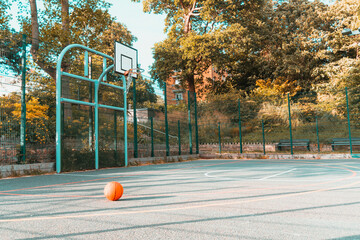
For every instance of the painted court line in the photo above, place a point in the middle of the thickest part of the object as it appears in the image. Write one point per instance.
(119, 176)
(207, 174)
(180, 208)
(278, 174)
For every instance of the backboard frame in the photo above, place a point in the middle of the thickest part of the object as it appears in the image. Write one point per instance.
(125, 58)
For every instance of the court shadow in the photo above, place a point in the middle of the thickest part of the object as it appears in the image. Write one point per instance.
(208, 219)
(353, 237)
(144, 198)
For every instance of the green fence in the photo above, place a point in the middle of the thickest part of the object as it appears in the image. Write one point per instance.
(168, 127)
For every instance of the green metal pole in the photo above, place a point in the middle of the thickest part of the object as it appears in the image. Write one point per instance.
(166, 123)
(23, 104)
(190, 127)
(104, 68)
(135, 119)
(179, 137)
(263, 135)
(91, 115)
(152, 136)
(348, 118)
(59, 107)
(196, 125)
(97, 125)
(125, 122)
(86, 64)
(240, 134)
(219, 131)
(115, 136)
(317, 134)
(291, 140)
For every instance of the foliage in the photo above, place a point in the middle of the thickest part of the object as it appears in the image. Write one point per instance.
(274, 91)
(10, 51)
(145, 93)
(224, 107)
(331, 94)
(36, 120)
(192, 28)
(10, 41)
(294, 40)
(63, 22)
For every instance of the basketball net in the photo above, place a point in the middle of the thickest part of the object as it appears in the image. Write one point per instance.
(129, 74)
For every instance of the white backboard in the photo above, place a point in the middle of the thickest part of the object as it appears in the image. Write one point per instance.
(125, 58)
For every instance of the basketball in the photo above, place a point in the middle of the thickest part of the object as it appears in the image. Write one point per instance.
(113, 191)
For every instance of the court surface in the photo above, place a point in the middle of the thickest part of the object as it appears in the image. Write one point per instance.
(202, 199)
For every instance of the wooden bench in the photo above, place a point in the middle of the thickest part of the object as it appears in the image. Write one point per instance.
(344, 142)
(296, 143)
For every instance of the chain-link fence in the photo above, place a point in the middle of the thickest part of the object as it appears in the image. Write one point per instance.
(177, 123)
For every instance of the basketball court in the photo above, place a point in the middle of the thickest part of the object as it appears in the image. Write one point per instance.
(202, 199)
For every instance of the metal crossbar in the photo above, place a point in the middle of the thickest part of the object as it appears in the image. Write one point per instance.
(96, 105)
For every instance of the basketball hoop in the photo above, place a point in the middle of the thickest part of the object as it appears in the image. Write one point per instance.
(130, 74)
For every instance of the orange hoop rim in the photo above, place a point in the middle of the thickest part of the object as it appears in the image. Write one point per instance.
(137, 71)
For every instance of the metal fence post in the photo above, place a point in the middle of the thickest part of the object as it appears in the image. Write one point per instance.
(179, 137)
(348, 118)
(135, 119)
(263, 135)
(125, 122)
(115, 135)
(152, 136)
(88, 73)
(219, 131)
(190, 127)
(23, 104)
(240, 134)
(104, 68)
(166, 123)
(291, 140)
(317, 134)
(196, 125)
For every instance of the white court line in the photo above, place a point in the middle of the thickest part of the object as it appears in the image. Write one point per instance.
(278, 174)
(207, 174)
(119, 174)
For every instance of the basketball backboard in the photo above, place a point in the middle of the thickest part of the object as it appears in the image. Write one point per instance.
(126, 58)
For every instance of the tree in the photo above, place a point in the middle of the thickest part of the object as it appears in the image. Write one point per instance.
(10, 42)
(4, 17)
(274, 91)
(145, 93)
(192, 27)
(63, 22)
(296, 41)
(36, 120)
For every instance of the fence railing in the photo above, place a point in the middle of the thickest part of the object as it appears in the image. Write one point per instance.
(178, 126)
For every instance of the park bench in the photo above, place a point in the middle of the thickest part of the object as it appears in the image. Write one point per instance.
(344, 142)
(296, 143)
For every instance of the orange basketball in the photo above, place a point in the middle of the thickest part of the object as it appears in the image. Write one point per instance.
(113, 191)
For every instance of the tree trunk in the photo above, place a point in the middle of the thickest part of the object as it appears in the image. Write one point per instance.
(65, 22)
(191, 83)
(65, 39)
(35, 36)
(35, 41)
